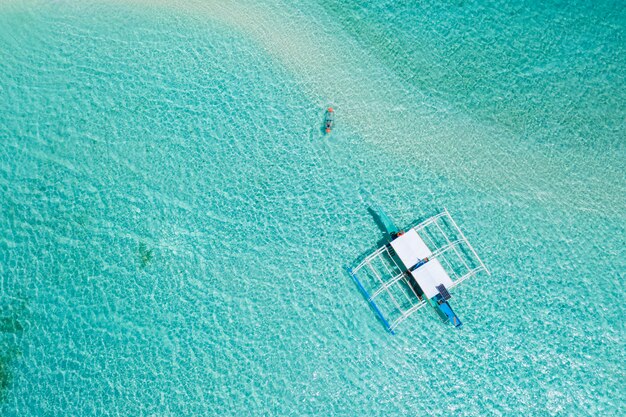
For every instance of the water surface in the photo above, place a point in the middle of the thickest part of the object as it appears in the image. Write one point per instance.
(174, 225)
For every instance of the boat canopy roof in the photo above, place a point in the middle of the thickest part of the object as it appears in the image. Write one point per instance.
(411, 249)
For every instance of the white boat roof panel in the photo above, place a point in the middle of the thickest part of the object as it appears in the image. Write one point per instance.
(429, 275)
(410, 248)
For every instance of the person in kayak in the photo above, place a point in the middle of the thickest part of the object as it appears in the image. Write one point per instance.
(329, 119)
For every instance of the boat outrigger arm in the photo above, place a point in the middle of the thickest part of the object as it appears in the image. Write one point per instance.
(412, 264)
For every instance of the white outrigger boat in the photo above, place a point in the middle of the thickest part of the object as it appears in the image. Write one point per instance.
(416, 268)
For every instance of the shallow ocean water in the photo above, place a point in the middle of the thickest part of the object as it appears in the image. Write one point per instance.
(174, 225)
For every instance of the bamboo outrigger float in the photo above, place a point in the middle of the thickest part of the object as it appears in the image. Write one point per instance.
(416, 268)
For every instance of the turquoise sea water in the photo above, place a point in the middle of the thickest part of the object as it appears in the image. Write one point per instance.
(174, 225)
